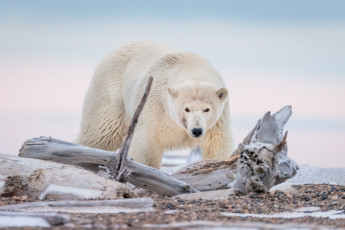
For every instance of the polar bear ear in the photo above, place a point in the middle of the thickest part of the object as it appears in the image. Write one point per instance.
(173, 92)
(222, 93)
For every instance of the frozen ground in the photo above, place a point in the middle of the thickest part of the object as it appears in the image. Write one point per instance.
(21, 221)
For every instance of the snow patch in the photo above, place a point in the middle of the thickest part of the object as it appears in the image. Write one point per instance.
(79, 192)
(332, 214)
(86, 209)
(173, 160)
(315, 175)
(22, 221)
(308, 209)
(284, 187)
(2, 184)
(171, 211)
(212, 225)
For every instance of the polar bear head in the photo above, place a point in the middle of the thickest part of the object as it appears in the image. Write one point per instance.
(196, 108)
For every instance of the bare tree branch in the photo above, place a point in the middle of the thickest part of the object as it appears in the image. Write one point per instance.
(120, 170)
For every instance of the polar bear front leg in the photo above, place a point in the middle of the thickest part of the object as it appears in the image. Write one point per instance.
(145, 151)
(216, 145)
(218, 141)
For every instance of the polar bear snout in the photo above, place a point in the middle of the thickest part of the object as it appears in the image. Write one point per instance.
(195, 123)
(197, 132)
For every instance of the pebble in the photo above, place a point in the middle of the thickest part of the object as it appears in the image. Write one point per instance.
(335, 197)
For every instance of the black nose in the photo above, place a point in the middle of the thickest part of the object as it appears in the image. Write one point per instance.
(197, 132)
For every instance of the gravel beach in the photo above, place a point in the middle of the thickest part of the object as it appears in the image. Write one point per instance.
(310, 206)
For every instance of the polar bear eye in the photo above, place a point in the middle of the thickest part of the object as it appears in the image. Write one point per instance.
(187, 110)
(206, 110)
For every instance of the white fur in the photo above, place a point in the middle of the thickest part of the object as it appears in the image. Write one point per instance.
(181, 80)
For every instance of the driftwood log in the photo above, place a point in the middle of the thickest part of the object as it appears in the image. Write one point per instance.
(257, 164)
(24, 178)
(102, 162)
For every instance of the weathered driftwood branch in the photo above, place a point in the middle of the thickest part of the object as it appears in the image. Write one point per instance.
(258, 163)
(263, 162)
(120, 170)
(47, 148)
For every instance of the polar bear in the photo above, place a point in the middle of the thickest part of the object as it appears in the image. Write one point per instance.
(188, 104)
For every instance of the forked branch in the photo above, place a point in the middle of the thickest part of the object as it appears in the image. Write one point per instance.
(120, 170)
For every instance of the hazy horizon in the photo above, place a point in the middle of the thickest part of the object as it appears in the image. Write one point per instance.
(270, 53)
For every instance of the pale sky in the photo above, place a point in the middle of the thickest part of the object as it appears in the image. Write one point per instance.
(270, 53)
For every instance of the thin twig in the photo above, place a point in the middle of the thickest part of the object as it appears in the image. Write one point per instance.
(120, 170)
